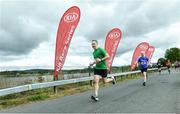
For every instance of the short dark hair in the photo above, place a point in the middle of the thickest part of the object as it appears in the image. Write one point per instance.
(95, 41)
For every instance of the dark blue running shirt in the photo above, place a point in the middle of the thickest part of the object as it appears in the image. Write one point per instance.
(143, 62)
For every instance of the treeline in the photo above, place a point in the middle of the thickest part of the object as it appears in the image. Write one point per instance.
(172, 54)
(50, 71)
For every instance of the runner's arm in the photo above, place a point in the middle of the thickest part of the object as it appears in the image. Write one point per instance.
(91, 64)
(106, 57)
(137, 64)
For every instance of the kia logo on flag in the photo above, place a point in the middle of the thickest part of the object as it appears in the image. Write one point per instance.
(143, 47)
(114, 35)
(71, 17)
(151, 49)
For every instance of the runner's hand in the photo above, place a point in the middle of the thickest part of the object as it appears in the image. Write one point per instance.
(98, 60)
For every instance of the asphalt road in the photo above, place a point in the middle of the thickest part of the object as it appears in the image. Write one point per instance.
(161, 95)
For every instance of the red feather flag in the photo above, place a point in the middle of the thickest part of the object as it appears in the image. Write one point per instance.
(111, 44)
(67, 26)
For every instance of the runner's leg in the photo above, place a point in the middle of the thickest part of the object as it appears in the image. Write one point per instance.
(106, 80)
(96, 84)
(145, 76)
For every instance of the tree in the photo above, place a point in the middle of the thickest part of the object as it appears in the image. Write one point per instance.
(162, 61)
(173, 54)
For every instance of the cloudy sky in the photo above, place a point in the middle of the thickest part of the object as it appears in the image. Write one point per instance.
(28, 29)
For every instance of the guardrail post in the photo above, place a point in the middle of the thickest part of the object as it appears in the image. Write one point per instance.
(55, 87)
(121, 77)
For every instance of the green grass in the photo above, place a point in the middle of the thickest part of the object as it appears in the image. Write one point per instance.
(38, 97)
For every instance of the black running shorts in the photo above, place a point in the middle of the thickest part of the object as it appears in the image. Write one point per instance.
(143, 70)
(101, 72)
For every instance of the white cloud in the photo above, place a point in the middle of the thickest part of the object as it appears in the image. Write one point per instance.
(28, 29)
